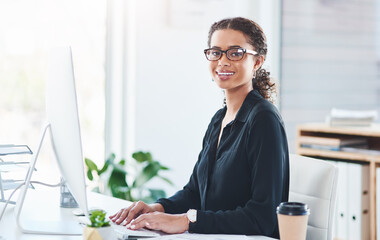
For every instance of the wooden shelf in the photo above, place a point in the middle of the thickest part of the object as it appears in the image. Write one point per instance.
(338, 155)
(371, 133)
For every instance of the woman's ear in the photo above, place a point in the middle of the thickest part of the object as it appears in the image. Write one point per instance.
(259, 62)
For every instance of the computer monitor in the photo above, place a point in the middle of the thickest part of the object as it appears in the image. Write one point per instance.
(63, 122)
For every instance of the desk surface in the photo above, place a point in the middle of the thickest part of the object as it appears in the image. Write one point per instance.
(10, 231)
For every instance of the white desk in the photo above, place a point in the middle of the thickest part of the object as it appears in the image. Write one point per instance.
(34, 203)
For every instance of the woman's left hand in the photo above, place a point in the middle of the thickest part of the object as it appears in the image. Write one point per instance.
(169, 223)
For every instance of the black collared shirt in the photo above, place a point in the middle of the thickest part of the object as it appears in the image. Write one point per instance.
(237, 186)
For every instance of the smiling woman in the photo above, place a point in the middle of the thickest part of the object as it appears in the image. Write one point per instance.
(242, 172)
(28, 31)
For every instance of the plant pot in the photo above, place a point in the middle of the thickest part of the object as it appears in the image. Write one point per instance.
(104, 233)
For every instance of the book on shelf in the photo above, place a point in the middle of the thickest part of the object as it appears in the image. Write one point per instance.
(360, 150)
(350, 122)
(341, 117)
(375, 152)
(321, 147)
(333, 141)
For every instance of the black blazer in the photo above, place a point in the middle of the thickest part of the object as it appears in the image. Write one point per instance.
(237, 186)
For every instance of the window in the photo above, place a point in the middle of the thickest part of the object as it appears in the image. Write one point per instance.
(28, 29)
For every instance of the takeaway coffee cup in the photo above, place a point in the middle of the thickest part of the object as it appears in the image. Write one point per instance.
(292, 220)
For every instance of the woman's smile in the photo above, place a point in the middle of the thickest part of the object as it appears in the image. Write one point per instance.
(224, 74)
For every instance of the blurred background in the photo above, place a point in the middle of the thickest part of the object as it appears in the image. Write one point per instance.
(142, 78)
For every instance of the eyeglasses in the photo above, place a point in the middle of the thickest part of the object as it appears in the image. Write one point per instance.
(233, 54)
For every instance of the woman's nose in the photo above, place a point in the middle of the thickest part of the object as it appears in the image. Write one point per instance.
(224, 61)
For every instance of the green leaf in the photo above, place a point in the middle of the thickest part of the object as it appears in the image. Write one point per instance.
(124, 189)
(89, 175)
(125, 192)
(147, 173)
(119, 168)
(117, 179)
(104, 168)
(166, 180)
(149, 157)
(111, 158)
(148, 199)
(142, 156)
(122, 162)
(91, 165)
(157, 194)
(98, 219)
(164, 168)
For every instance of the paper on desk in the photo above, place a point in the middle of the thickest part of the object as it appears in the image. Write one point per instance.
(190, 236)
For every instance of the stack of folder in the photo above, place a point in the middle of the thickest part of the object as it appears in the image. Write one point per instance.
(352, 208)
(339, 117)
(332, 143)
(11, 166)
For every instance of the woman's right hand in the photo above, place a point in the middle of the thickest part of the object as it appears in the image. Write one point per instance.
(133, 211)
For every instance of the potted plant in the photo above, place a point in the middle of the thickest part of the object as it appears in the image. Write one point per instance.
(126, 185)
(99, 228)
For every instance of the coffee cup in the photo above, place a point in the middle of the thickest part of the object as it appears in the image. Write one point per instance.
(292, 220)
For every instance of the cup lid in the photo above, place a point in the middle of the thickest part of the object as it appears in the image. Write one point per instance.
(293, 208)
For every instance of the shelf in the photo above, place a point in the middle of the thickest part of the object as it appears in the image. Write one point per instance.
(371, 133)
(338, 155)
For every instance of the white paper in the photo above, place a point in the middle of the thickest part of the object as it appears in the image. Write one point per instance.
(190, 236)
(350, 114)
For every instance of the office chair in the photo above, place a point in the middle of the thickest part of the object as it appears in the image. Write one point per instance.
(314, 182)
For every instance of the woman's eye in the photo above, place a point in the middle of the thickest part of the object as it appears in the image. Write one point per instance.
(236, 54)
(215, 53)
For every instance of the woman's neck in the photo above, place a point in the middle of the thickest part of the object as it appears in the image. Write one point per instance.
(234, 99)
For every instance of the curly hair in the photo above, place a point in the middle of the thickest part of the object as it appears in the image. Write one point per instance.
(255, 37)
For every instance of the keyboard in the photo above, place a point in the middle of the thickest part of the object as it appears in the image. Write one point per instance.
(122, 232)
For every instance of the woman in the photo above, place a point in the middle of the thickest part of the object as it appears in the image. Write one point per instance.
(242, 172)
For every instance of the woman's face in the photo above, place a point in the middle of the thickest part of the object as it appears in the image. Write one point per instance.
(227, 74)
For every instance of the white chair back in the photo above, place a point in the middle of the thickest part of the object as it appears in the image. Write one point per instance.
(314, 182)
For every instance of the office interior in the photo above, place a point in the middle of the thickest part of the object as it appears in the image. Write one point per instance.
(143, 82)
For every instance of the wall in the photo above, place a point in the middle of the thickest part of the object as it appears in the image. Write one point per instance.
(328, 59)
(170, 97)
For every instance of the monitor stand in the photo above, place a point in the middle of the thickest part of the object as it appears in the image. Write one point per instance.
(66, 226)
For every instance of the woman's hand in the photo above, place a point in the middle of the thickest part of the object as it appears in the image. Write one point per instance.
(133, 211)
(169, 223)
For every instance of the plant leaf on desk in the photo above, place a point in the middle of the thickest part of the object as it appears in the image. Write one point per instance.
(142, 156)
(89, 175)
(157, 193)
(122, 162)
(117, 179)
(117, 183)
(164, 168)
(98, 219)
(112, 157)
(166, 180)
(117, 167)
(104, 168)
(154, 195)
(91, 165)
(147, 173)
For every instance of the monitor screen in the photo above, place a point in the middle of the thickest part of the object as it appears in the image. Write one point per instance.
(63, 122)
(62, 114)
